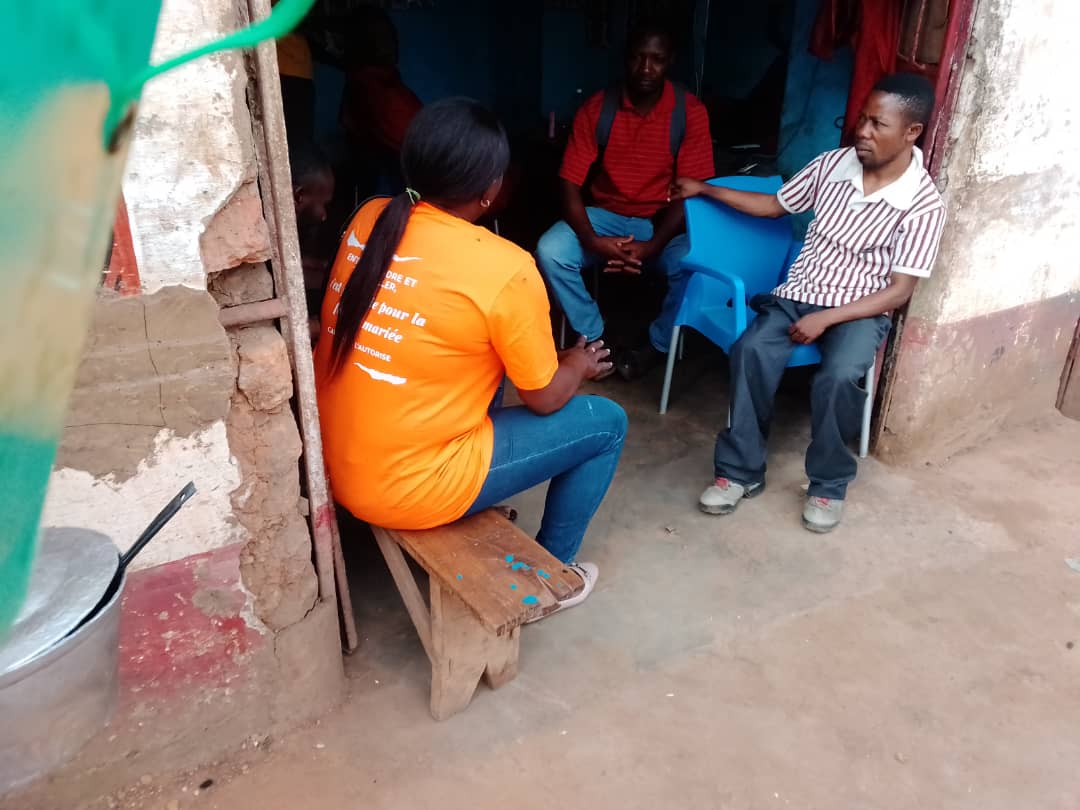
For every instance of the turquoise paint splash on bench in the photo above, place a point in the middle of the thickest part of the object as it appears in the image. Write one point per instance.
(519, 566)
(530, 600)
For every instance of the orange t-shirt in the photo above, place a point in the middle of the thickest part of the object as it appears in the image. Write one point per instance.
(405, 424)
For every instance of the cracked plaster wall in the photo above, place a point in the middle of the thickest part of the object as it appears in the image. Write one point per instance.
(157, 377)
(221, 617)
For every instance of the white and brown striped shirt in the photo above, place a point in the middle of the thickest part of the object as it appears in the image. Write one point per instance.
(857, 241)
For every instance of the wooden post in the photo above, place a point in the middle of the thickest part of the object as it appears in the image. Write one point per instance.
(247, 314)
(275, 185)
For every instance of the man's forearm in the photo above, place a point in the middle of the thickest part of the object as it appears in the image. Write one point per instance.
(574, 211)
(893, 296)
(667, 225)
(753, 203)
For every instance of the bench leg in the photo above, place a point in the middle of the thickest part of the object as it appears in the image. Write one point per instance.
(459, 646)
(502, 659)
(406, 585)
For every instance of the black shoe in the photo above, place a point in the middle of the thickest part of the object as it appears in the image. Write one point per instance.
(636, 363)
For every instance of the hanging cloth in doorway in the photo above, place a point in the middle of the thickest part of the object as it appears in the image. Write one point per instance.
(872, 28)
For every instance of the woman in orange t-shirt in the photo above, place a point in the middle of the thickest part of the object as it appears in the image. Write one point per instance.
(424, 316)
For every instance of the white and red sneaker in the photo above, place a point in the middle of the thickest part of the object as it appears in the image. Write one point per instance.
(822, 515)
(724, 495)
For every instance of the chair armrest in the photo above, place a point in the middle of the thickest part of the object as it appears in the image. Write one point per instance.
(731, 284)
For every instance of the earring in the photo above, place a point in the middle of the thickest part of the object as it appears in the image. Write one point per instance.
(485, 203)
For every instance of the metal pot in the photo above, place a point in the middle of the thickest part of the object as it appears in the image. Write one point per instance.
(58, 668)
(52, 705)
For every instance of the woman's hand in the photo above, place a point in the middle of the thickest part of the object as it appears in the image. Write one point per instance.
(585, 361)
(591, 358)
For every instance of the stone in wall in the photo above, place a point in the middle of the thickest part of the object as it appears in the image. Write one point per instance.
(265, 376)
(276, 560)
(245, 284)
(236, 233)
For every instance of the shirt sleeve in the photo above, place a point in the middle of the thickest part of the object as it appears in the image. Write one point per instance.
(916, 248)
(581, 149)
(520, 327)
(799, 194)
(696, 154)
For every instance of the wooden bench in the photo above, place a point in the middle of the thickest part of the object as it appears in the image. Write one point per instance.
(486, 578)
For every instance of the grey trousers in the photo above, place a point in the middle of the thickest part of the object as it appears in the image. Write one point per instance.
(758, 360)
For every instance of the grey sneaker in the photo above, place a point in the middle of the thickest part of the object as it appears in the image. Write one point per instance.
(822, 514)
(724, 495)
(589, 573)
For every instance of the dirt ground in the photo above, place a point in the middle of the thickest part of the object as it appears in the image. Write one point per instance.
(921, 656)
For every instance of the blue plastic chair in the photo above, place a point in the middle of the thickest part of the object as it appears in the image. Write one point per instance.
(732, 258)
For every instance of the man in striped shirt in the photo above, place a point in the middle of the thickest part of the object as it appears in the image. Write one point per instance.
(658, 132)
(876, 231)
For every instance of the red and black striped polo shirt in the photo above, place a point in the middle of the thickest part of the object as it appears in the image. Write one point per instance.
(637, 171)
(857, 241)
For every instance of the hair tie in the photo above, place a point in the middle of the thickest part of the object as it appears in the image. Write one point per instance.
(414, 195)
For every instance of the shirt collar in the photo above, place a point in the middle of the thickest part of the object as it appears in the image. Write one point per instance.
(664, 105)
(900, 193)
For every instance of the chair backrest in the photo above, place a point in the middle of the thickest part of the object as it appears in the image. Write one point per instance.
(752, 248)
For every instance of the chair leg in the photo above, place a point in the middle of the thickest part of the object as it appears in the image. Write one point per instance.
(682, 345)
(676, 336)
(868, 409)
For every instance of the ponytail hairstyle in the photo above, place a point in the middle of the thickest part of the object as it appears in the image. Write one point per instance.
(453, 151)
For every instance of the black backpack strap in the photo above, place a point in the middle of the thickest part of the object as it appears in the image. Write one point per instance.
(610, 106)
(678, 123)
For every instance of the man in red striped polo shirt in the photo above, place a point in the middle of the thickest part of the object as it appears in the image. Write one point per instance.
(876, 231)
(658, 132)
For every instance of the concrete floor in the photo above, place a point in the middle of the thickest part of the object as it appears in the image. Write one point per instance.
(919, 657)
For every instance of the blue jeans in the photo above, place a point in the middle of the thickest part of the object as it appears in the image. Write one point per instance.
(577, 448)
(561, 259)
(758, 360)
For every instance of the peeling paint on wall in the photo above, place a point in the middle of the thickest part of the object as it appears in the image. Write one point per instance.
(1012, 170)
(187, 159)
(123, 509)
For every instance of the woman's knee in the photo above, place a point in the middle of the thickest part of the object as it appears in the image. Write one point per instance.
(605, 416)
